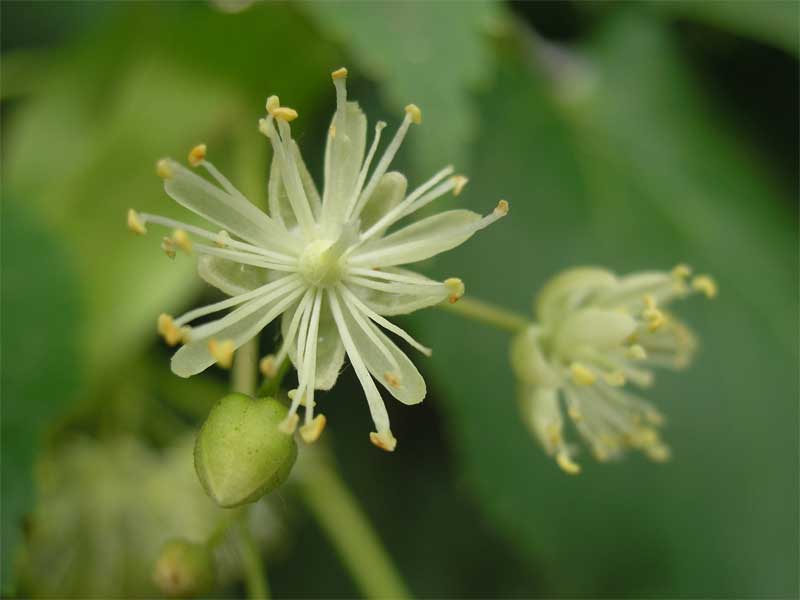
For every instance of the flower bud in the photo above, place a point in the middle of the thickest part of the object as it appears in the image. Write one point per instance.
(240, 453)
(184, 569)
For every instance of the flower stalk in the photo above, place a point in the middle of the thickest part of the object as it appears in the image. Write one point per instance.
(488, 314)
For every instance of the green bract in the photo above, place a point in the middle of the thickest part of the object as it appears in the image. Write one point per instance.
(240, 454)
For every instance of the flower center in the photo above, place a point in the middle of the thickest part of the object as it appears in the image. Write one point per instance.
(321, 263)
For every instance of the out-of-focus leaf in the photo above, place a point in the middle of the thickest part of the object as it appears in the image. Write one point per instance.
(41, 326)
(432, 54)
(106, 508)
(627, 166)
(773, 22)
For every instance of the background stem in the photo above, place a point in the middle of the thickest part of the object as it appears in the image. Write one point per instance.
(488, 313)
(245, 368)
(255, 574)
(351, 533)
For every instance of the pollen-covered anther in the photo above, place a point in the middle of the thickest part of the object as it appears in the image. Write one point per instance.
(135, 223)
(289, 424)
(383, 440)
(267, 366)
(615, 378)
(658, 453)
(581, 375)
(273, 102)
(222, 239)
(681, 271)
(392, 379)
(222, 352)
(182, 241)
(706, 285)
(566, 463)
(414, 113)
(197, 154)
(459, 181)
(502, 208)
(339, 74)
(167, 329)
(310, 432)
(168, 246)
(655, 319)
(455, 289)
(164, 169)
(284, 113)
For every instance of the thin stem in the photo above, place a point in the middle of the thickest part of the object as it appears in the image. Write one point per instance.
(243, 378)
(488, 313)
(255, 574)
(223, 525)
(351, 533)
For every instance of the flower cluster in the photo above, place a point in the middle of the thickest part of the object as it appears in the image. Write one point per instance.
(327, 264)
(594, 333)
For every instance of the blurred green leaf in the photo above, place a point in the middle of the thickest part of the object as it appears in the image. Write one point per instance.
(621, 161)
(432, 54)
(773, 22)
(41, 324)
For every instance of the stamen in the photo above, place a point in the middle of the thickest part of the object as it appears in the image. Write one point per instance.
(681, 271)
(339, 74)
(168, 246)
(383, 440)
(706, 285)
(273, 102)
(356, 205)
(167, 328)
(311, 431)
(284, 113)
(460, 182)
(268, 366)
(135, 223)
(163, 169)
(456, 288)
(197, 154)
(289, 424)
(222, 352)
(223, 239)
(566, 463)
(182, 241)
(413, 111)
(581, 375)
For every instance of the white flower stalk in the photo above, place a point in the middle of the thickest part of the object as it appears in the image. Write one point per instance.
(595, 333)
(327, 265)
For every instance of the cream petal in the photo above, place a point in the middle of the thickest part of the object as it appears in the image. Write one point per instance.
(229, 276)
(344, 154)
(568, 290)
(593, 328)
(403, 298)
(389, 192)
(279, 206)
(231, 212)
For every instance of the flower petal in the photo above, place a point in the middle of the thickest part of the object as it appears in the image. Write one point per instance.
(402, 380)
(389, 192)
(404, 298)
(568, 290)
(279, 206)
(344, 154)
(231, 212)
(229, 276)
(593, 328)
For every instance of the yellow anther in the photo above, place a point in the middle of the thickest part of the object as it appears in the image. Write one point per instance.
(414, 113)
(310, 432)
(649, 301)
(168, 330)
(222, 352)
(636, 352)
(455, 289)
(566, 463)
(383, 440)
(273, 102)
(168, 246)
(681, 271)
(392, 379)
(615, 378)
(182, 241)
(222, 239)
(267, 366)
(655, 319)
(197, 154)
(706, 285)
(459, 181)
(339, 73)
(284, 113)
(581, 375)
(501, 208)
(164, 169)
(659, 453)
(289, 424)
(574, 413)
(135, 223)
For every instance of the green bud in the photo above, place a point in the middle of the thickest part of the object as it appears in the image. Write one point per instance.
(240, 453)
(184, 569)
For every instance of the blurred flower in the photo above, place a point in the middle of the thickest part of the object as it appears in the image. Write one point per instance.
(324, 262)
(596, 332)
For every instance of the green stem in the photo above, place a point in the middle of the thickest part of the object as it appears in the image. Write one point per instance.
(223, 525)
(245, 368)
(351, 533)
(488, 313)
(255, 574)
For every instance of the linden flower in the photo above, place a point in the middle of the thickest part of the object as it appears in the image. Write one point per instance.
(595, 332)
(326, 265)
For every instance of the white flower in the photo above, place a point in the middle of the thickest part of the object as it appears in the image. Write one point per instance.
(328, 265)
(595, 332)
